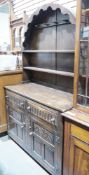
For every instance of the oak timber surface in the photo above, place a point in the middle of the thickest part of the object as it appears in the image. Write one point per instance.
(76, 148)
(7, 78)
(77, 116)
(53, 98)
(18, 71)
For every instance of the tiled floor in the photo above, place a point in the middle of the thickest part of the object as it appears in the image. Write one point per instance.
(14, 161)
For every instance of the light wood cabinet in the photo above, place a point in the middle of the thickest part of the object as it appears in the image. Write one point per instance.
(76, 132)
(79, 157)
(76, 145)
(6, 78)
(81, 80)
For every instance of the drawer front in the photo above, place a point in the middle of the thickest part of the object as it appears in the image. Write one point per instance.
(30, 107)
(15, 101)
(17, 115)
(43, 112)
(80, 133)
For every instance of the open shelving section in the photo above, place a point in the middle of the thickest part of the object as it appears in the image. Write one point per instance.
(48, 51)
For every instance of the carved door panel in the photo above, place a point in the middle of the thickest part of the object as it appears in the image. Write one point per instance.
(43, 146)
(79, 157)
(17, 126)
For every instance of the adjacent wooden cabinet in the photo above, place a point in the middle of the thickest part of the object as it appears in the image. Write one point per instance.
(76, 121)
(81, 82)
(76, 144)
(79, 157)
(7, 78)
(79, 151)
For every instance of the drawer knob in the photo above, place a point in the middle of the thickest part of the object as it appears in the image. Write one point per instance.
(21, 104)
(7, 96)
(31, 133)
(57, 139)
(28, 108)
(23, 125)
(52, 119)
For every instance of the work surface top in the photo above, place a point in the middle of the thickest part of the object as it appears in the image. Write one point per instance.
(50, 97)
(77, 116)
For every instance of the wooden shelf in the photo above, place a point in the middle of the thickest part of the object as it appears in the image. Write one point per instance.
(83, 40)
(48, 51)
(77, 116)
(84, 76)
(85, 11)
(83, 96)
(63, 73)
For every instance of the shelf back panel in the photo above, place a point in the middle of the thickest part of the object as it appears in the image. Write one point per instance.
(50, 30)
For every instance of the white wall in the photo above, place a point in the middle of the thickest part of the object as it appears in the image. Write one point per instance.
(31, 5)
(4, 28)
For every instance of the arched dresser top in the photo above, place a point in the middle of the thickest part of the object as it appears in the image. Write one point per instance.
(42, 10)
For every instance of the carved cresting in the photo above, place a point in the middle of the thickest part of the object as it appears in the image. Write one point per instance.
(46, 11)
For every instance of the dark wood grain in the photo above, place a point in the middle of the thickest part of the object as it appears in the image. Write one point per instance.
(34, 107)
(50, 46)
(48, 96)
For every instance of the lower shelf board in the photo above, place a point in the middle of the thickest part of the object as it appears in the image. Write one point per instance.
(63, 73)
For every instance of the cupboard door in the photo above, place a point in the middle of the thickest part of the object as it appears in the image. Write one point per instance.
(79, 157)
(44, 147)
(16, 126)
(16, 130)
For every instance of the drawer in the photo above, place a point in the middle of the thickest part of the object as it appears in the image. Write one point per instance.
(19, 116)
(43, 112)
(15, 101)
(30, 107)
(80, 133)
